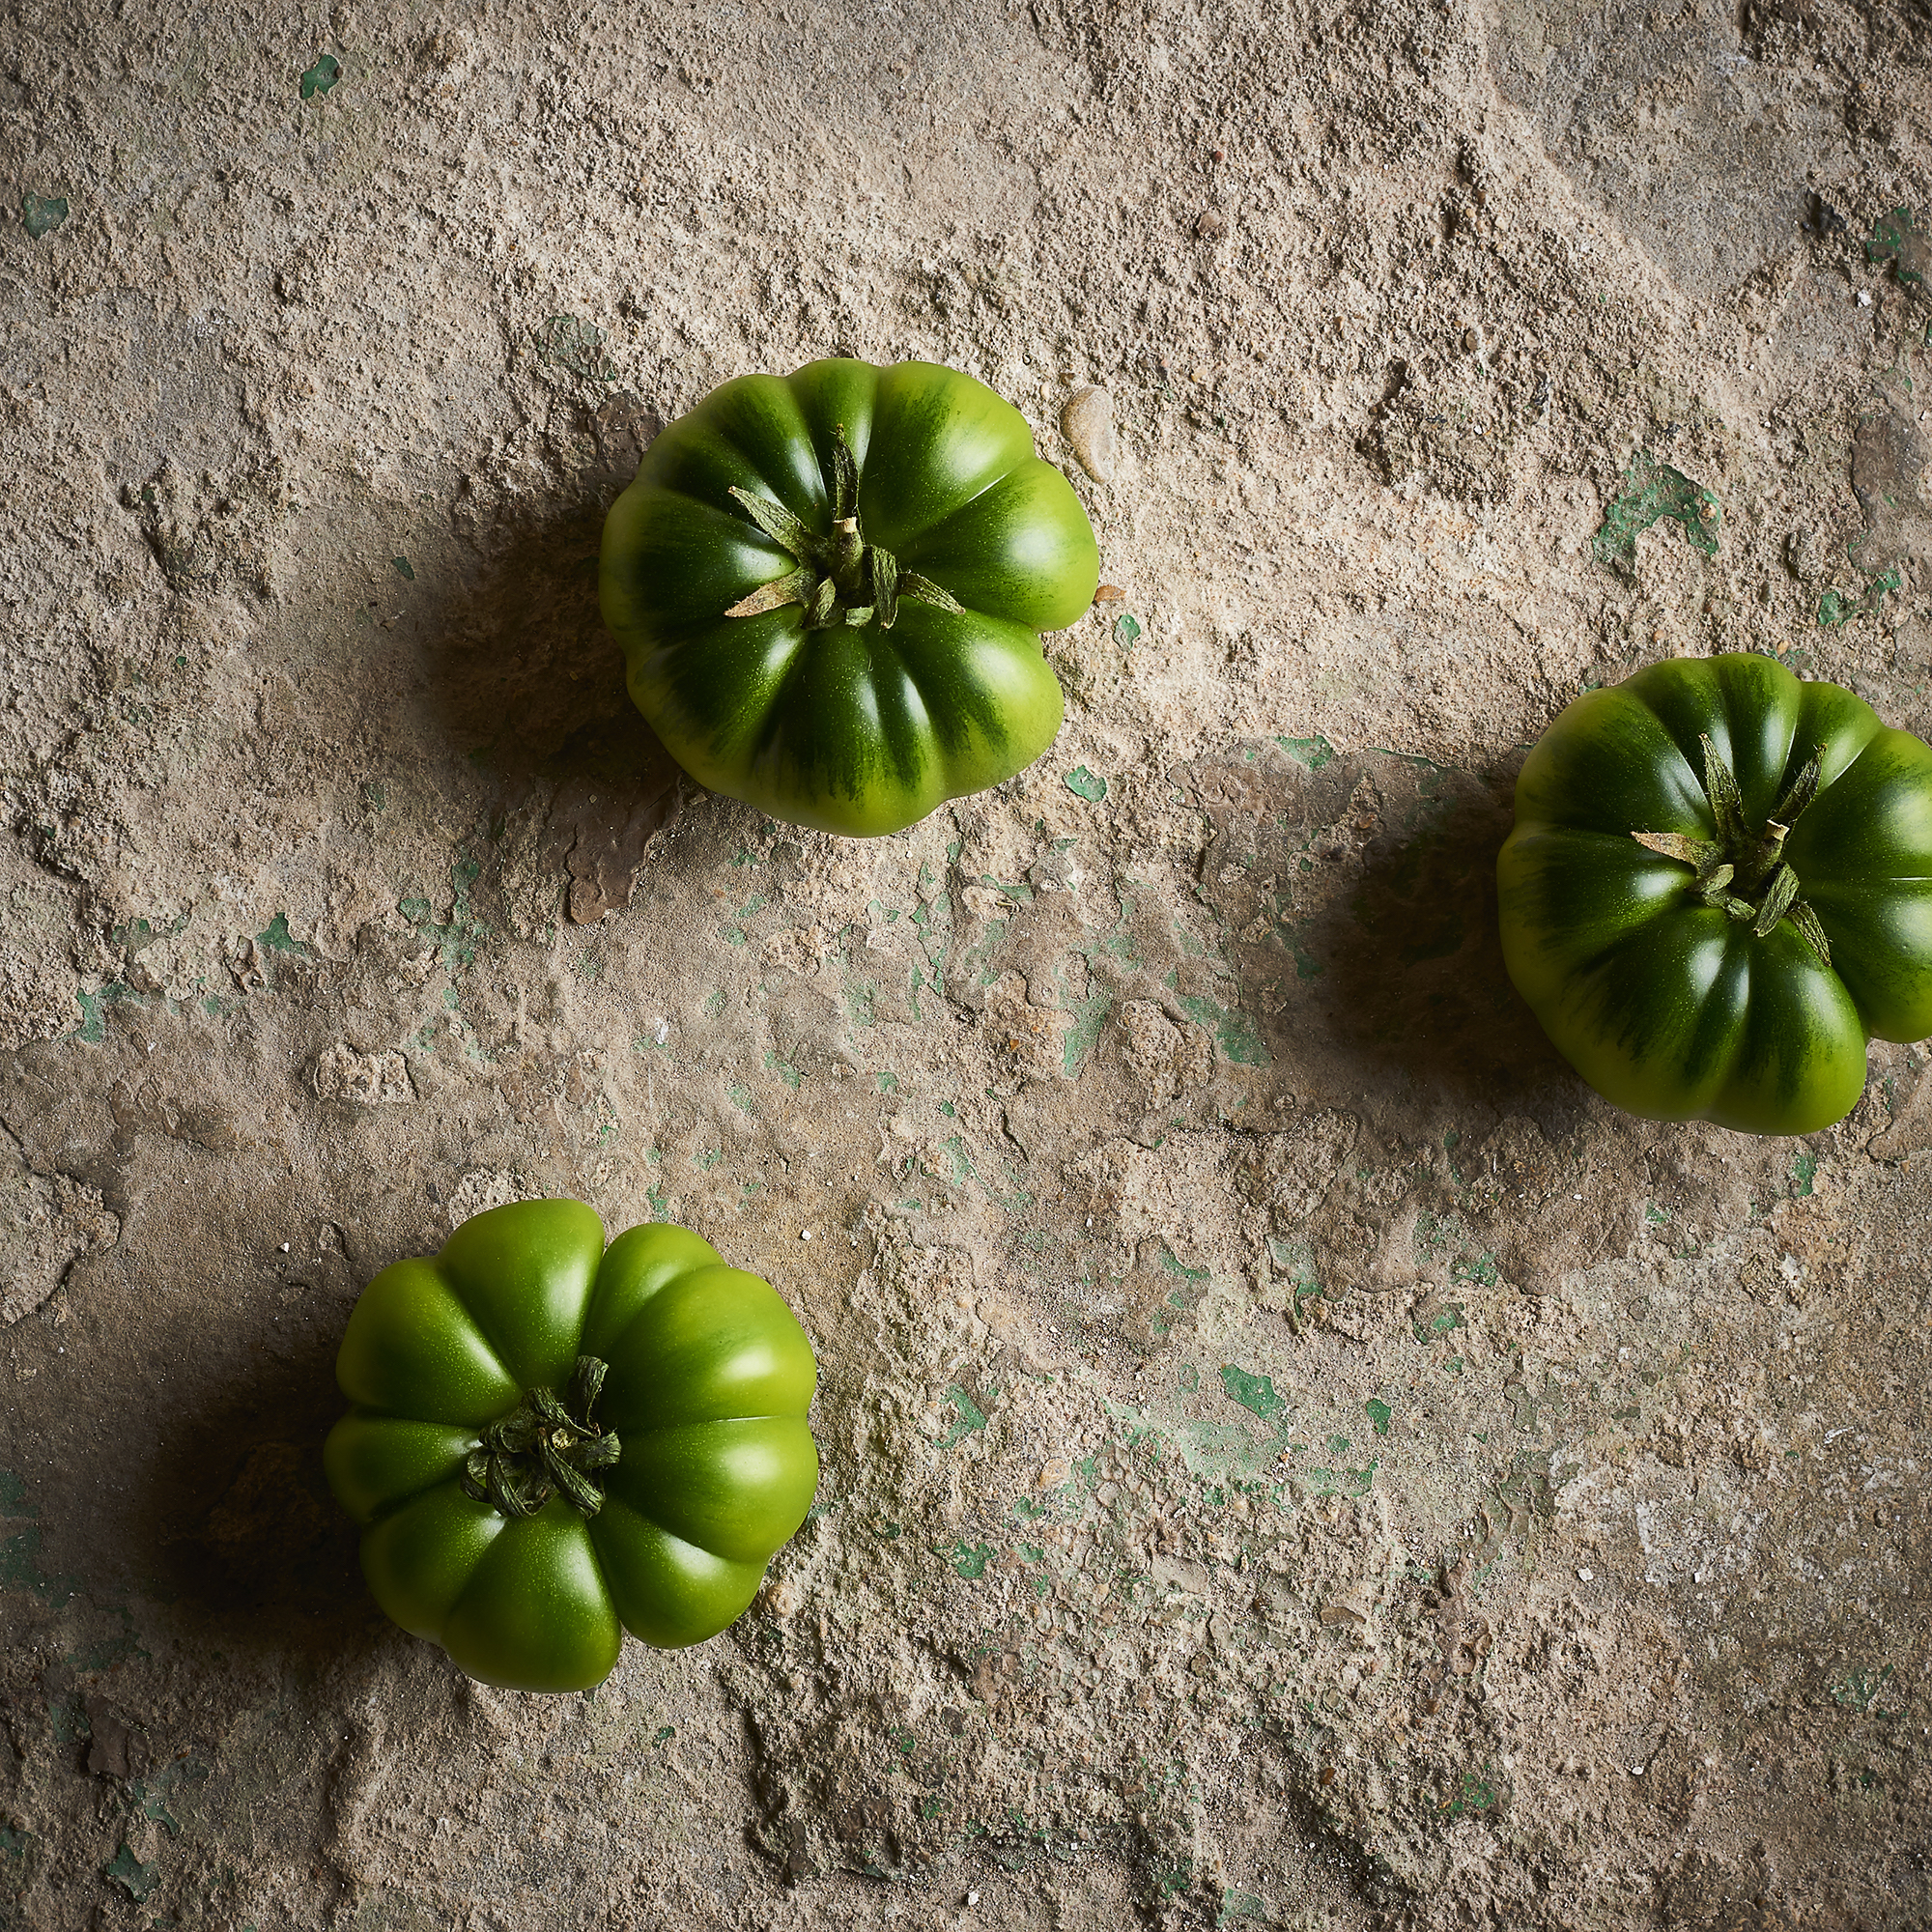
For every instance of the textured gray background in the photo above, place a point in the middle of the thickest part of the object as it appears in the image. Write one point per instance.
(1293, 1455)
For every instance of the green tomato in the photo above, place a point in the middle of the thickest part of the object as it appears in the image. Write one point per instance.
(829, 589)
(551, 1443)
(1719, 889)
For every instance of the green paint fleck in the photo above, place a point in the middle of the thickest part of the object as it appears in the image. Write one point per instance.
(402, 563)
(741, 1097)
(1126, 630)
(321, 76)
(666, 1733)
(1252, 1392)
(1432, 1323)
(92, 1028)
(1312, 752)
(888, 1083)
(1240, 1905)
(457, 938)
(1089, 1016)
(1804, 1172)
(967, 1562)
(784, 1070)
(1380, 1413)
(1897, 239)
(1836, 606)
(1473, 1794)
(20, 1564)
(1083, 783)
(1654, 491)
(968, 1417)
(133, 1877)
(1337, 1444)
(1233, 1032)
(42, 214)
(576, 346)
(1860, 1688)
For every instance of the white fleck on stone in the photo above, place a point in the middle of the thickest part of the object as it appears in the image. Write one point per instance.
(1087, 422)
(372, 1079)
(1585, 1575)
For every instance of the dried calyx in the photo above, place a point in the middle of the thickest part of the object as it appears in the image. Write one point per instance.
(1742, 873)
(547, 1447)
(840, 578)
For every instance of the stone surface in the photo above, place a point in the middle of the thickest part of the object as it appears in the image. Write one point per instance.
(1292, 1457)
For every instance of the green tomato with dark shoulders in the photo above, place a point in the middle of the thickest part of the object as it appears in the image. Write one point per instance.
(829, 589)
(551, 1443)
(1719, 889)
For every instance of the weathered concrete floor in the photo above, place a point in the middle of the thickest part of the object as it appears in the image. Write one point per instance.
(1293, 1455)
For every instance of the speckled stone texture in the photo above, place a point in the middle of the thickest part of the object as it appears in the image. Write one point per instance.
(1292, 1457)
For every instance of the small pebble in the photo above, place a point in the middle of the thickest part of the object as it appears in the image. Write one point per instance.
(1585, 1575)
(1107, 593)
(1210, 223)
(1087, 422)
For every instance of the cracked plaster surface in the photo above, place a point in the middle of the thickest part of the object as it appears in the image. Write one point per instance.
(1293, 1455)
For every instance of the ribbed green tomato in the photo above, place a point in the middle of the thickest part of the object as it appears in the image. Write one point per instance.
(829, 589)
(1719, 889)
(551, 1443)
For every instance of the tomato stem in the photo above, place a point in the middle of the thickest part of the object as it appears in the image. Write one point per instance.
(1742, 873)
(546, 1446)
(841, 579)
